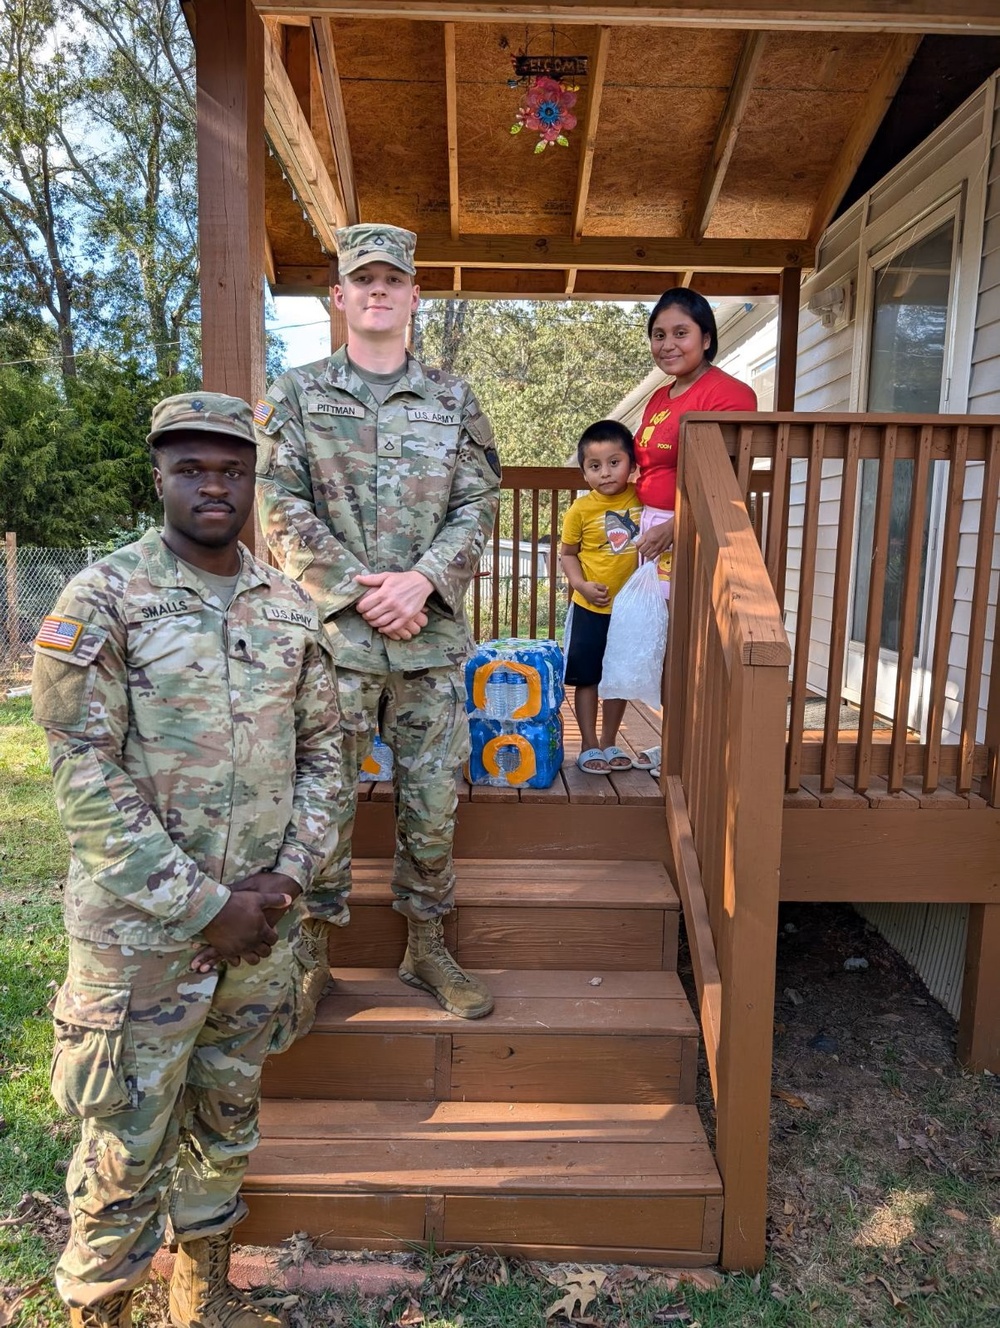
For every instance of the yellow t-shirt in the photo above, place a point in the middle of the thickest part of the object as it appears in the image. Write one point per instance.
(605, 529)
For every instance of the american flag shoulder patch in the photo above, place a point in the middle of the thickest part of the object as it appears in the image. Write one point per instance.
(59, 633)
(262, 412)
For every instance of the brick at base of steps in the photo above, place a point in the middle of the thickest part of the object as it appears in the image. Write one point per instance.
(627, 1037)
(621, 1182)
(514, 913)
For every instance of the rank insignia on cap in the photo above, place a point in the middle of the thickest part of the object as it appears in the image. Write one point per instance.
(262, 412)
(59, 633)
(197, 404)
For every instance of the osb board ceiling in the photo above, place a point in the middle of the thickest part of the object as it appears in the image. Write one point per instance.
(661, 102)
(807, 94)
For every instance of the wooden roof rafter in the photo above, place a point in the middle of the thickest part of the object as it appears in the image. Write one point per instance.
(727, 132)
(595, 91)
(292, 140)
(608, 253)
(451, 117)
(963, 17)
(897, 60)
(336, 117)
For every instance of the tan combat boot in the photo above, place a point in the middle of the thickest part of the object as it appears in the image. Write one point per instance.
(316, 936)
(111, 1312)
(201, 1295)
(428, 965)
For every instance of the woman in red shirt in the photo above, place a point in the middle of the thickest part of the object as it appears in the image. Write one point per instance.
(683, 340)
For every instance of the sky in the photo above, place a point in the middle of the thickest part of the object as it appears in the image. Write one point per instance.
(304, 325)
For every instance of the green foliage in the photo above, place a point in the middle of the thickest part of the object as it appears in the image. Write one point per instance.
(542, 371)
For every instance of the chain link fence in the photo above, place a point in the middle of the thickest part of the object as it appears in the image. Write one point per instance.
(30, 581)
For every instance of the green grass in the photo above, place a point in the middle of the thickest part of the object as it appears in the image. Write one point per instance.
(855, 1218)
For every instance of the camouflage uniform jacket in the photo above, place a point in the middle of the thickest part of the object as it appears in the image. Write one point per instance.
(190, 747)
(346, 486)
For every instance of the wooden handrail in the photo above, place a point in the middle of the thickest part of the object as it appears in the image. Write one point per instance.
(903, 641)
(727, 670)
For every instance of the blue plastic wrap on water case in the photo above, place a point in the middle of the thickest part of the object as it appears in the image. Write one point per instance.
(514, 692)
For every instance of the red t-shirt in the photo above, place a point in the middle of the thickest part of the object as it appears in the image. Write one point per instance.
(659, 434)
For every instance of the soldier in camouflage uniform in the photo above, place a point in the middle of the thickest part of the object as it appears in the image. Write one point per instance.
(378, 483)
(188, 698)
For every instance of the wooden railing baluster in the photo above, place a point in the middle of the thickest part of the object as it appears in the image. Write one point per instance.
(909, 608)
(840, 609)
(977, 621)
(945, 609)
(533, 587)
(873, 617)
(803, 609)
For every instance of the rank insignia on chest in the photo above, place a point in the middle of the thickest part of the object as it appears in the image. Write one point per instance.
(59, 633)
(389, 447)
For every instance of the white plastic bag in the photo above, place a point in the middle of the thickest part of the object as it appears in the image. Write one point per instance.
(637, 640)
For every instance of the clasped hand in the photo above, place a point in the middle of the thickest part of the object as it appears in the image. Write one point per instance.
(244, 928)
(394, 604)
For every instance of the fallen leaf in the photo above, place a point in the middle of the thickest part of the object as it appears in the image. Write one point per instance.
(704, 1279)
(9, 1308)
(792, 1099)
(897, 1301)
(580, 1292)
(412, 1314)
(956, 1214)
(673, 1314)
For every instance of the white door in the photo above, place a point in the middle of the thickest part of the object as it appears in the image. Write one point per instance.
(911, 286)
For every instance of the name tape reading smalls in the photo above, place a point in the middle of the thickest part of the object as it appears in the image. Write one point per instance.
(167, 606)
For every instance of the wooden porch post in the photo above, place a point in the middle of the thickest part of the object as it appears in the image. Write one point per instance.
(788, 336)
(979, 1021)
(229, 46)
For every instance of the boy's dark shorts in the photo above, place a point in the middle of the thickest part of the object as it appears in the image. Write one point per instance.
(587, 639)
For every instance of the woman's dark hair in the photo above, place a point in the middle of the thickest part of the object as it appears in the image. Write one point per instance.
(696, 307)
(606, 431)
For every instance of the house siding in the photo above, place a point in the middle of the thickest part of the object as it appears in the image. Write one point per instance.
(931, 937)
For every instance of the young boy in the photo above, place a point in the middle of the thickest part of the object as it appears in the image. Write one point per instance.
(598, 555)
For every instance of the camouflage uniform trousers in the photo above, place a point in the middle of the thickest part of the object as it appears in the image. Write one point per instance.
(164, 1066)
(421, 715)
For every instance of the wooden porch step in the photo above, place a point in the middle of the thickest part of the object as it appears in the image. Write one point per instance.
(553, 1035)
(561, 1181)
(513, 913)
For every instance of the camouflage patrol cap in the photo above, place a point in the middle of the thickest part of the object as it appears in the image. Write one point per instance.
(202, 412)
(375, 243)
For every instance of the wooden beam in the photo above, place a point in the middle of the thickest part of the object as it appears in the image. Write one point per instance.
(451, 115)
(979, 1022)
(965, 17)
(487, 283)
(294, 145)
(270, 271)
(336, 118)
(229, 55)
(727, 131)
(595, 91)
(298, 65)
(897, 60)
(612, 253)
(788, 338)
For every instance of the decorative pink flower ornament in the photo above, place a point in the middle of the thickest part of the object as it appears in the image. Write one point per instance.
(548, 109)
